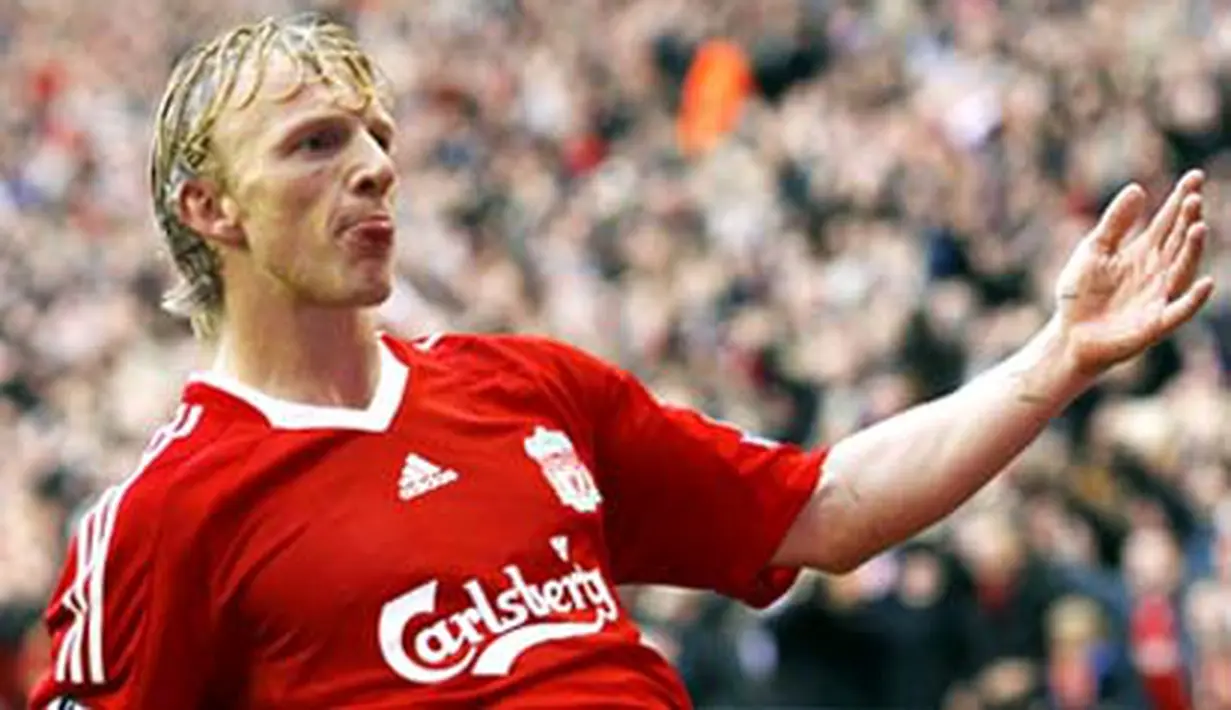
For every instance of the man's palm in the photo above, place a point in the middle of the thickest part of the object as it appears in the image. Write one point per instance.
(1120, 295)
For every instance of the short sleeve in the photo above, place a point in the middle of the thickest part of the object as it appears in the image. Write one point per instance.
(692, 502)
(130, 619)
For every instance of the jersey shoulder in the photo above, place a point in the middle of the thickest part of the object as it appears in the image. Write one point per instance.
(509, 355)
(177, 478)
(137, 540)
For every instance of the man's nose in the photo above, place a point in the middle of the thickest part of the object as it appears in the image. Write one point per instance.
(375, 174)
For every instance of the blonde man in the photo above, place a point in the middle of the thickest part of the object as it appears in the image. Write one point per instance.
(338, 518)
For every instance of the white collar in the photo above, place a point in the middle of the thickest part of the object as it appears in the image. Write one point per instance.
(285, 414)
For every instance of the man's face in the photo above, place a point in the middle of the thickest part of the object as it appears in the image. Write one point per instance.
(1151, 562)
(309, 174)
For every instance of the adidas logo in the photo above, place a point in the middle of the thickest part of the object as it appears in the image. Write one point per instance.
(421, 476)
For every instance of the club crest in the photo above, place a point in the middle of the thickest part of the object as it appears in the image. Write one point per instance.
(563, 469)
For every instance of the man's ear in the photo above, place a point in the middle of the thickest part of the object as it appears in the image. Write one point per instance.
(208, 211)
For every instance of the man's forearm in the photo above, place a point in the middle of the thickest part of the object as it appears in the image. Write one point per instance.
(886, 483)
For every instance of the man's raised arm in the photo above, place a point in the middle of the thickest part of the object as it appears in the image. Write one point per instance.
(1118, 295)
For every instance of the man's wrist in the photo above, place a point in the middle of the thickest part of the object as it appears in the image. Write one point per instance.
(1047, 372)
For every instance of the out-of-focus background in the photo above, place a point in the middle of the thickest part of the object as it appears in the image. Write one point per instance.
(797, 215)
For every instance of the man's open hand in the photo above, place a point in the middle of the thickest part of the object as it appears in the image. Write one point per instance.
(1120, 292)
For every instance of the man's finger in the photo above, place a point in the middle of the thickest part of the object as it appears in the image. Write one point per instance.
(1190, 214)
(1181, 310)
(1180, 274)
(1167, 215)
(1119, 218)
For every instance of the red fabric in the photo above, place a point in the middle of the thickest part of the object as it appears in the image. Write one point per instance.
(458, 558)
(1156, 648)
(47, 82)
(994, 595)
(11, 691)
(583, 154)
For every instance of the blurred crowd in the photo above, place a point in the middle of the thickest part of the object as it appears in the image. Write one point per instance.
(800, 216)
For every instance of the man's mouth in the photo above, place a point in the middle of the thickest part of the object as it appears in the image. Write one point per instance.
(372, 235)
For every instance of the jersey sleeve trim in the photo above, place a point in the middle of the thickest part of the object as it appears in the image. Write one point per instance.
(63, 703)
(80, 657)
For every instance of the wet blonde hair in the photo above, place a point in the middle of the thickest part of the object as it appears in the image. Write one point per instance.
(202, 85)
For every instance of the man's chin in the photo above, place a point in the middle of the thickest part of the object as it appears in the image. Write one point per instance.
(374, 297)
(371, 296)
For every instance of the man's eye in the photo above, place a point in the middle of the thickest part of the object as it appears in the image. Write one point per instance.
(322, 141)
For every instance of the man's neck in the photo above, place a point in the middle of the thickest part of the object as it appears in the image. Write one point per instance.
(309, 355)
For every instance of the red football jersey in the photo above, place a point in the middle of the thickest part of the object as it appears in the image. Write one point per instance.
(455, 544)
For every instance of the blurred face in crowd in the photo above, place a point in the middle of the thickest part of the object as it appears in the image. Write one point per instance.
(922, 579)
(1074, 630)
(1151, 562)
(1208, 607)
(991, 548)
(304, 202)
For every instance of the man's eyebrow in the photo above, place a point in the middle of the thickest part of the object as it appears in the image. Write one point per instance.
(298, 120)
(288, 127)
(294, 123)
